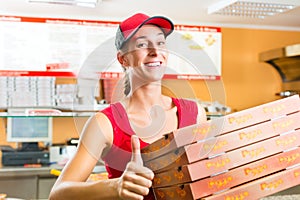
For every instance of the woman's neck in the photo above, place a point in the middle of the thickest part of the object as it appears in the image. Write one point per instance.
(146, 96)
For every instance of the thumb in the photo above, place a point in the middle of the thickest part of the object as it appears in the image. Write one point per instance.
(136, 152)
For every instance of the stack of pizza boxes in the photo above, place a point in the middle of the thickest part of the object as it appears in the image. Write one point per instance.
(248, 154)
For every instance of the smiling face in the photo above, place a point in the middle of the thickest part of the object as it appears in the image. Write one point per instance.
(146, 54)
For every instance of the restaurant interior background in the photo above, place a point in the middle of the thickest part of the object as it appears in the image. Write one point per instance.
(245, 80)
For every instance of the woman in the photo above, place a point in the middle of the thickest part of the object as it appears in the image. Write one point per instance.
(117, 133)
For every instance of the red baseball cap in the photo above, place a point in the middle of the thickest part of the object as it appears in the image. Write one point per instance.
(131, 25)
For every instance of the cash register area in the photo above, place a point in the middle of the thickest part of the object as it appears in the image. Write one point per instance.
(30, 163)
(40, 123)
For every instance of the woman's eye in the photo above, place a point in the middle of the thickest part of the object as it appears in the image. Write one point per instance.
(162, 43)
(142, 45)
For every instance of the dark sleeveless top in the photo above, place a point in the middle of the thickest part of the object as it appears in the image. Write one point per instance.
(120, 153)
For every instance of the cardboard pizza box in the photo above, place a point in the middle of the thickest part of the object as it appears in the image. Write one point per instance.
(220, 144)
(243, 174)
(255, 189)
(221, 125)
(219, 164)
(262, 187)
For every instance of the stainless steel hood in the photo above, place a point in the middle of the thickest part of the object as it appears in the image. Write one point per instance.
(285, 60)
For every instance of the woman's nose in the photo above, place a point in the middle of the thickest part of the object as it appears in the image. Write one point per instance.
(153, 51)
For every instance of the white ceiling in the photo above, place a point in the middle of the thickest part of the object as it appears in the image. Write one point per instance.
(180, 11)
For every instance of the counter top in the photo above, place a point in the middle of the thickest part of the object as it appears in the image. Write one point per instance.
(9, 171)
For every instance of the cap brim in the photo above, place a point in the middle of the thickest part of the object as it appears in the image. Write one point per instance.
(161, 22)
(164, 23)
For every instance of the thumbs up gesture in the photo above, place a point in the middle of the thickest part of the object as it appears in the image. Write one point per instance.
(136, 179)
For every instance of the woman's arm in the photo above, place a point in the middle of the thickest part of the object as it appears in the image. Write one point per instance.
(71, 184)
(95, 141)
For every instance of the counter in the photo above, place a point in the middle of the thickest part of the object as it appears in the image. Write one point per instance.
(25, 171)
(31, 182)
(36, 183)
(26, 182)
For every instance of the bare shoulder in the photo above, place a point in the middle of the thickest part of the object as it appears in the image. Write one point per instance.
(97, 134)
(201, 113)
(168, 101)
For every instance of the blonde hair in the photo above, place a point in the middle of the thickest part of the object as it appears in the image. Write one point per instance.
(127, 86)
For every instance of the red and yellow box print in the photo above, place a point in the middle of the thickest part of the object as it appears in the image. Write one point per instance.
(245, 155)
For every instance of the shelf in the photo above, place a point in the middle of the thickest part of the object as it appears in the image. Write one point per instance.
(79, 111)
(63, 114)
(18, 73)
(76, 111)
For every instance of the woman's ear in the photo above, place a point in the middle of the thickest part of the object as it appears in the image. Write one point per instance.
(123, 60)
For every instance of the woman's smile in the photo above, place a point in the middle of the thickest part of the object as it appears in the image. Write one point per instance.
(153, 64)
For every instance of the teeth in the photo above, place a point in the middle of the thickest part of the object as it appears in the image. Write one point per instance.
(154, 64)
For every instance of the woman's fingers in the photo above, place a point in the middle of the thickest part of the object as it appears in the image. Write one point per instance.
(136, 179)
(136, 152)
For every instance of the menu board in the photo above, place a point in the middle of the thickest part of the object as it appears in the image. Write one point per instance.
(64, 47)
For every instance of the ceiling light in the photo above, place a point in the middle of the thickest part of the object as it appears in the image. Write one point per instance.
(84, 3)
(250, 8)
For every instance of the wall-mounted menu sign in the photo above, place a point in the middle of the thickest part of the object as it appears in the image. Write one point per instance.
(63, 47)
